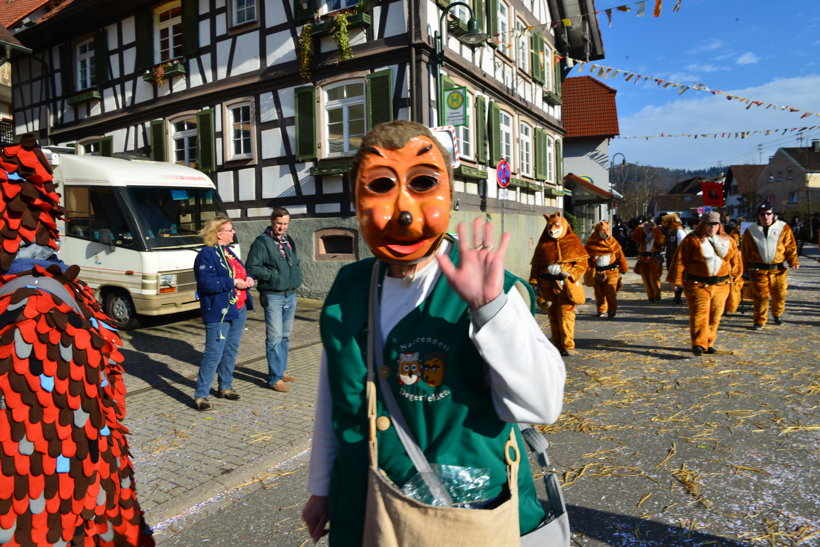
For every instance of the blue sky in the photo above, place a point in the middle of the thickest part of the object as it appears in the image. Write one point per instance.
(765, 51)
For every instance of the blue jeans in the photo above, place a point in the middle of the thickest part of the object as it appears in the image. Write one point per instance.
(221, 345)
(280, 311)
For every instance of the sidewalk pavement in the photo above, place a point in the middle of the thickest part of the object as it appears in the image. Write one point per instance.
(183, 457)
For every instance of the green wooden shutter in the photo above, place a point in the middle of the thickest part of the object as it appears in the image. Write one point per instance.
(492, 21)
(107, 146)
(303, 10)
(446, 83)
(479, 13)
(305, 123)
(206, 141)
(557, 67)
(190, 27)
(158, 140)
(480, 130)
(540, 154)
(67, 69)
(495, 133)
(537, 55)
(101, 58)
(379, 97)
(559, 162)
(144, 23)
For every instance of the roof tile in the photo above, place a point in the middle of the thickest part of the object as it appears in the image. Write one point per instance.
(589, 108)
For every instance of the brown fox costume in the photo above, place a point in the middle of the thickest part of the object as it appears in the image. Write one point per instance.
(704, 265)
(606, 265)
(649, 265)
(765, 252)
(558, 266)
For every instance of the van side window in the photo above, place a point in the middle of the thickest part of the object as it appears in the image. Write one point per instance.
(93, 213)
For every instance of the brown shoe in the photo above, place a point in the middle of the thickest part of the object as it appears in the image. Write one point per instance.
(289, 378)
(280, 386)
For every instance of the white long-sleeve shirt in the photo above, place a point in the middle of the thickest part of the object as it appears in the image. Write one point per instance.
(526, 373)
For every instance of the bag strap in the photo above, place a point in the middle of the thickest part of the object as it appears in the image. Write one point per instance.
(42, 283)
(539, 444)
(375, 357)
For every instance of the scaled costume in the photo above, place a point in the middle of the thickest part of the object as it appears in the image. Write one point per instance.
(559, 260)
(607, 263)
(704, 268)
(764, 259)
(649, 264)
(66, 474)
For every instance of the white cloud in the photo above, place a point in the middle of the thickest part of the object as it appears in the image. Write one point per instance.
(703, 113)
(705, 68)
(748, 58)
(707, 45)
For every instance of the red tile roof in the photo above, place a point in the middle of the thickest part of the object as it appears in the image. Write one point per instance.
(15, 10)
(589, 108)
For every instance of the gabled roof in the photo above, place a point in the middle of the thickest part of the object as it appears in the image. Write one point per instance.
(745, 176)
(14, 11)
(688, 186)
(676, 202)
(588, 108)
(805, 156)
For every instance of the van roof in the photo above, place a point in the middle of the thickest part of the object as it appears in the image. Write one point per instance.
(104, 171)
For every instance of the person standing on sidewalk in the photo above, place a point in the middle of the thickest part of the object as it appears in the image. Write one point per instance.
(222, 285)
(649, 265)
(766, 247)
(703, 265)
(462, 354)
(274, 263)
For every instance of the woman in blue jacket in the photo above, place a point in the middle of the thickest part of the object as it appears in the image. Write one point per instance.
(222, 284)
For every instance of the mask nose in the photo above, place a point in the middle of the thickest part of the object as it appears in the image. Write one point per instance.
(405, 218)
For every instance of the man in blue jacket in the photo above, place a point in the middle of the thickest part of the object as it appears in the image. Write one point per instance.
(274, 264)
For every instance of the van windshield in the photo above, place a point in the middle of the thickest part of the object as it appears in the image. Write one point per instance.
(170, 217)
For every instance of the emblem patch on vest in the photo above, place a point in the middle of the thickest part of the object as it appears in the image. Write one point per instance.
(423, 370)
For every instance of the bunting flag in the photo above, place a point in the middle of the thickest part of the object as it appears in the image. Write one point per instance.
(726, 134)
(658, 4)
(712, 193)
(604, 72)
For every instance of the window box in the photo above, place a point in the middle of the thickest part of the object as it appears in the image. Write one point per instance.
(84, 97)
(164, 71)
(553, 192)
(467, 172)
(518, 183)
(353, 21)
(535, 186)
(552, 98)
(336, 169)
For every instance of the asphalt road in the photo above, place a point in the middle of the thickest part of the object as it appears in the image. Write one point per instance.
(654, 447)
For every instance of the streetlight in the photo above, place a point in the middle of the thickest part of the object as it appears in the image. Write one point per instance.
(472, 37)
(623, 161)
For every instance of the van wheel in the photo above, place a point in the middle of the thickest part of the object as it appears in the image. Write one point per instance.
(120, 309)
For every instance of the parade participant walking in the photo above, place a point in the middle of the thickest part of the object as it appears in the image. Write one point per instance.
(766, 248)
(455, 351)
(649, 265)
(558, 266)
(274, 262)
(607, 264)
(706, 260)
(222, 285)
(675, 232)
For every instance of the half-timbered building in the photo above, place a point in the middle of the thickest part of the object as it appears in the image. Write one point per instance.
(271, 99)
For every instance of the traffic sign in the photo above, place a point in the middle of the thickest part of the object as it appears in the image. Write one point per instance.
(455, 106)
(502, 173)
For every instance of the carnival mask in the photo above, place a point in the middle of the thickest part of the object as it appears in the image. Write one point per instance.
(403, 199)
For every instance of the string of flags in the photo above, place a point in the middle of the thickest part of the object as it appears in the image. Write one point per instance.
(727, 134)
(604, 72)
(640, 9)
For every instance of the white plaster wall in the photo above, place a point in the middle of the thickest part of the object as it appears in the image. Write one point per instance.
(247, 184)
(246, 55)
(272, 145)
(267, 108)
(224, 185)
(280, 48)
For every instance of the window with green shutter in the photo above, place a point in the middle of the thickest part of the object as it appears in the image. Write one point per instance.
(190, 27)
(481, 130)
(206, 141)
(144, 27)
(107, 146)
(559, 162)
(557, 67)
(101, 58)
(492, 19)
(67, 69)
(540, 154)
(379, 97)
(305, 111)
(158, 140)
(538, 60)
(495, 133)
(479, 12)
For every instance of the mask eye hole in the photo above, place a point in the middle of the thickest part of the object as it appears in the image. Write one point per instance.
(423, 183)
(381, 185)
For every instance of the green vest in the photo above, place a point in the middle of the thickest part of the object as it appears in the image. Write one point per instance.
(438, 379)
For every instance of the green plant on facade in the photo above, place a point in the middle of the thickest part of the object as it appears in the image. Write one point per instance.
(574, 222)
(341, 36)
(305, 52)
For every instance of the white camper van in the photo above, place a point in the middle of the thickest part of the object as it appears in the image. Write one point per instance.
(132, 228)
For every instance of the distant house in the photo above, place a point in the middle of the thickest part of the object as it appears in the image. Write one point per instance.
(590, 120)
(740, 189)
(791, 181)
(683, 198)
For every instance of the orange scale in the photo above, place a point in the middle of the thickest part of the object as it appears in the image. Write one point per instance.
(53, 505)
(11, 245)
(6, 489)
(21, 366)
(73, 401)
(13, 399)
(19, 413)
(42, 325)
(66, 486)
(82, 338)
(40, 350)
(19, 506)
(76, 372)
(49, 367)
(69, 524)
(49, 465)
(51, 413)
(54, 337)
(60, 385)
(91, 390)
(39, 528)
(45, 399)
(8, 519)
(64, 434)
(45, 303)
(36, 485)
(30, 311)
